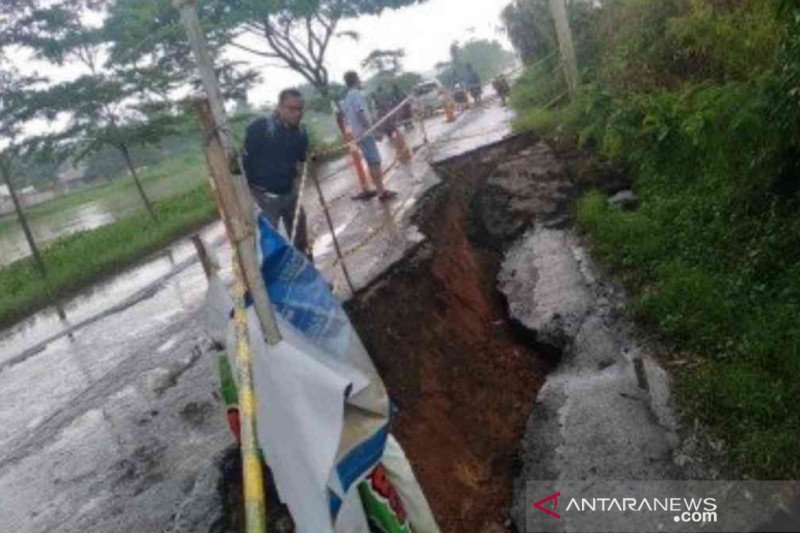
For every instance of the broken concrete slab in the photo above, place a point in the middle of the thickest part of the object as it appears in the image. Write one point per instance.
(545, 289)
(593, 418)
(475, 129)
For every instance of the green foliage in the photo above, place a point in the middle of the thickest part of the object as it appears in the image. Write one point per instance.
(172, 176)
(721, 42)
(386, 62)
(700, 99)
(539, 84)
(322, 103)
(296, 33)
(713, 251)
(405, 82)
(717, 302)
(530, 28)
(488, 57)
(635, 55)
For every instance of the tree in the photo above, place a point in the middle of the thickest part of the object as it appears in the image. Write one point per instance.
(451, 72)
(321, 104)
(150, 37)
(405, 82)
(530, 27)
(15, 111)
(102, 103)
(446, 73)
(384, 63)
(488, 58)
(115, 109)
(297, 33)
(132, 66)
(408, 80)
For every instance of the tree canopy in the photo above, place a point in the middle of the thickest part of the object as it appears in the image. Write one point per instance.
(488, 57)
(385, 62)
(297, 33)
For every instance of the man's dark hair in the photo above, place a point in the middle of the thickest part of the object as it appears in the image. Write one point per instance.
(289, 93)
(351, 78)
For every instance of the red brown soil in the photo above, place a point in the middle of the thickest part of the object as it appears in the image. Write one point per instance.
(463, 383)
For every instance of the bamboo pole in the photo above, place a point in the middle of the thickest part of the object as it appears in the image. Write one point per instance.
(236, 207)
(299, 206)
(240, 222)
(312, 170)
(255, 506)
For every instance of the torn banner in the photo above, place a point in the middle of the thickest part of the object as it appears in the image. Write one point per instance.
(323, 411)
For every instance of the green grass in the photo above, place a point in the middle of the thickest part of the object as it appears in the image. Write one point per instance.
(740, 331)
(712, 255)
(173, 176)
(76, 261)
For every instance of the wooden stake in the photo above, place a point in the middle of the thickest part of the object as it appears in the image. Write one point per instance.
(209, 266)
(312, 170)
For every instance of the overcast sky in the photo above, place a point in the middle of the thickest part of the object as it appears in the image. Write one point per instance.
(424, 31)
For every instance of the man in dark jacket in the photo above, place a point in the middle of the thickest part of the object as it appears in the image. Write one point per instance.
(274, 148)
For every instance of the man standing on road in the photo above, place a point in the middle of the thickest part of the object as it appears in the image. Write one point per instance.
(502, 88)
(359, 121)
(473, 81)
(274, 148)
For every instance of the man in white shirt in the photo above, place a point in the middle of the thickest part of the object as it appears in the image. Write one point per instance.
(359, 121)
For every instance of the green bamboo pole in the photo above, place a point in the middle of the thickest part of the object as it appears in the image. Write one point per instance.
(254, 504)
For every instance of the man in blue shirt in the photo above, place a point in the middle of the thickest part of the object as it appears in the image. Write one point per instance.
(359, 121)
(274, 147)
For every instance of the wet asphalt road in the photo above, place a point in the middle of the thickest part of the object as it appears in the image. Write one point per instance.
(111, 427)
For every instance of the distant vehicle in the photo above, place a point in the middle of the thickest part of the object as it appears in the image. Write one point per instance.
(428, 97)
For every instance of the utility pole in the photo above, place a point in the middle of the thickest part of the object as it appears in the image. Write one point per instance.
(23, 221)
(558, 9)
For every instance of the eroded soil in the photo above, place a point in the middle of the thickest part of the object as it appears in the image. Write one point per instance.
(462, 378)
